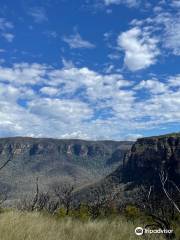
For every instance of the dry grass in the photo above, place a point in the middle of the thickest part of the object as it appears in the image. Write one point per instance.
(35, 226)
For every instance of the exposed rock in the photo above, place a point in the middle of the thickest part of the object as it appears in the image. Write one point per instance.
(148, 157)
(141, 165)
(53, 160)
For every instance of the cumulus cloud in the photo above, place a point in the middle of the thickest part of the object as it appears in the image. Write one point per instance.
(50, 102)
(80, 108)
(140, 49)
(175, 3)
(171, 33)
(51, 91)
(165, 24)
(174, 81)
(8, 92)
(63, 110)
(90, 83)
(153, 86)
(76, 41)
(23, 73)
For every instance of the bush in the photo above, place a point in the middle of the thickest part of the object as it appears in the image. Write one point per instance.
(132, 212)
(84, 213)
(61, 213)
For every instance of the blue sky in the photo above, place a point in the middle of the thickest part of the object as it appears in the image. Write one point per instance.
(91, 69)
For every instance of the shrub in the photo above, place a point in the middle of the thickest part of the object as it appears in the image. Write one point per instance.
(84, 213)
(132, 212)
(61, 213)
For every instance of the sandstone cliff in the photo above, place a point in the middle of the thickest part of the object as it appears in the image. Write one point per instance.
(148, 157)
(54, 160)
(142, 165)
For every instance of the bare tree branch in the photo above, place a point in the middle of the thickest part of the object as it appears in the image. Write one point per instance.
(4, 164)
(164, 178)
(64, 193)
(176, 187)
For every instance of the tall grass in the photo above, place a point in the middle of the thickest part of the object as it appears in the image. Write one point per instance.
(36, 226)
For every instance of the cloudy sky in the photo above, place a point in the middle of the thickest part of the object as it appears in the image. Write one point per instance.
(91, 69)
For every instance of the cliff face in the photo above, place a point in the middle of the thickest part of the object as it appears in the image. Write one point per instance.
(53, 160)
(149, 156)
(141, 165)
(91, 153)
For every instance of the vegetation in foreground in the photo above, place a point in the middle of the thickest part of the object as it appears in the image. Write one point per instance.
(17, 225)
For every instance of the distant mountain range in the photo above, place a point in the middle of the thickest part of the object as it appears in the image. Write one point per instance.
(93, 165)
(53, 161)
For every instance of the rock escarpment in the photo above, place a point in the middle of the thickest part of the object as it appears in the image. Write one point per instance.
(53, 160)
(142, 165)
(148, 157)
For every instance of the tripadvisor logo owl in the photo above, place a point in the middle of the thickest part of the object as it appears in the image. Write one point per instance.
(139, 231)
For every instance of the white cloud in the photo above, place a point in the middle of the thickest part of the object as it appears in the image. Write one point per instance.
(166, 26)
(133, 137)
(8, 36)
(172, 35)
(5, 27)
(8, 92)
(23, 73)
(76, 135)
(62, 110)
(153, 86)
(12, 93)
(113, 56)
(129, 3)
(140, 49)
(96, 85)
(38, 14)
(51, 91)
(76, 41)
(174, 81)
(57, 117)
(162, 108)
(17, 121)
(50, 102)
(169, 26)
(175, 3)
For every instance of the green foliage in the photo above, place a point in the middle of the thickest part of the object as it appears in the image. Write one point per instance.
(108, 212)
(61, 213)
(132, 212)
(175, 225)
(84, 213)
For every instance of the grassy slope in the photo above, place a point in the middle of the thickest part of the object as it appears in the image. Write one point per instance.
(35, 226)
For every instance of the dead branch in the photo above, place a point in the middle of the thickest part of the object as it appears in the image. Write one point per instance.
(164, 179)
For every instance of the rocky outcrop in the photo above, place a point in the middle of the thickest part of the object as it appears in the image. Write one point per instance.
(142, 165)
(148, 157)
(53, 160)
